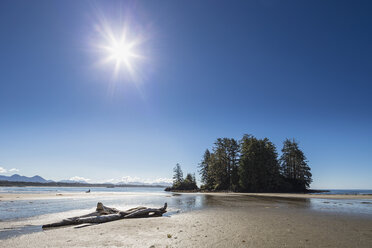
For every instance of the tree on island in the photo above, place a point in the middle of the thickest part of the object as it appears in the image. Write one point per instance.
(189, 183)
(233, 155)
(180, 183)
(204, 168)
(178, 175)
(294, 166)
(252, 165)
(259, 167)
(219, 169)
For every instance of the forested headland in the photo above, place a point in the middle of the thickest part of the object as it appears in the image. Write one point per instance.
(249, 165)
(179, 183)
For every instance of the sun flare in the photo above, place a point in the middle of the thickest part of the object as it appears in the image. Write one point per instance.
(120, 50)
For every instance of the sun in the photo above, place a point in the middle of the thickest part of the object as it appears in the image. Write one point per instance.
(120, 49)
(122, 52)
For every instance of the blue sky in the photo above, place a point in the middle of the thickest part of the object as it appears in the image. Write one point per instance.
(276, 69)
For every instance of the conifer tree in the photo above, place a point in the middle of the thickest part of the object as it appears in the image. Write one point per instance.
(178, 175)
(294, 166)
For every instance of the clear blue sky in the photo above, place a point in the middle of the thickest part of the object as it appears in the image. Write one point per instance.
(273, 69)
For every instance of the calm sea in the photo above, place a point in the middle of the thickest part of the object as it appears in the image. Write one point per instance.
(113, 197)
(347, 192)
(40, 190)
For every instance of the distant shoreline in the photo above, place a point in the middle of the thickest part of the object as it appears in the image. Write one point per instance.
(87, 185)
(302, 195)
(310, 191)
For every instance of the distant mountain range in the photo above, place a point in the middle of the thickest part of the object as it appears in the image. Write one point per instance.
(39, 179)
(19, 178)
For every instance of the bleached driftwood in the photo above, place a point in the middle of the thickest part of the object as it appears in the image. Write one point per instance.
(105, 214)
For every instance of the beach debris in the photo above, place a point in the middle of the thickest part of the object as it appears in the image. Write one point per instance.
(105, 214)
(169, 236)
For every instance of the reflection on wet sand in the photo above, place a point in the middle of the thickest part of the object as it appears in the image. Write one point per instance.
(339, 206)
(16, 215)
(241, 201)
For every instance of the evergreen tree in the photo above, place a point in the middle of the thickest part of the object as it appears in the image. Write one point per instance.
(294, 166)
(219, 166)
(193, 178)
(259, 168)
(189, 183)
(252, 165)
(223, 164)
(247, 175)
(178, 175)
(233, 160)
(219, 169)
(179, 183)
(204, 170)
(271, 165)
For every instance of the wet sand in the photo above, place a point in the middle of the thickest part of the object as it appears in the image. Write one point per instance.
(232, 220)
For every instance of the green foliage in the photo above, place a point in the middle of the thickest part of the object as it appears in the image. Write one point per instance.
(180, 183)
(252, 166)
(259, 167)
(204, 170)
(189, 183)
(219, 169)
(294, 167)
(178, 174)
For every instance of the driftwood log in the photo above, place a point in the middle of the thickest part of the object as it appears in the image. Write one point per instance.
(105, 214)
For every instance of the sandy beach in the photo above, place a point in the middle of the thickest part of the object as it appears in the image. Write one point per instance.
(231, 220)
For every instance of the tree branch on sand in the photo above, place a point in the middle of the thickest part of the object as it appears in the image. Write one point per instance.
(105, 214)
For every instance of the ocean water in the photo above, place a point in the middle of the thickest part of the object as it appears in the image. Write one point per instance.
(24, 216)
(346, 192)
(40, 190)
(153, 197)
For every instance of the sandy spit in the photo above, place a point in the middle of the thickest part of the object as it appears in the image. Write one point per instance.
(231, 222)
(263, 227)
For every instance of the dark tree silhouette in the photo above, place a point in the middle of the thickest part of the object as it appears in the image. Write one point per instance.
(178, 175)
(259, 167)
(294, 166)
(179, 183)
(252, 166)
